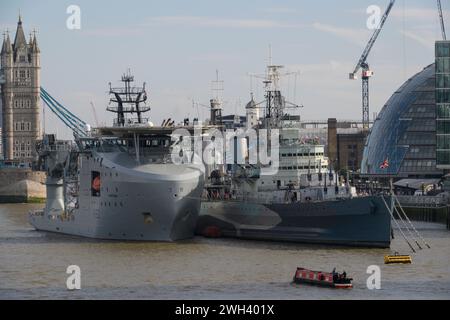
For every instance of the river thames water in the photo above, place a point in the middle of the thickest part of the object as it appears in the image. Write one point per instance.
(33, 266)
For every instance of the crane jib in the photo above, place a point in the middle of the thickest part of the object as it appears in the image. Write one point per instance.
(77, 125)
(374, 37)
(366, 72)
(66, 120)
(441, 18)
(61, 106)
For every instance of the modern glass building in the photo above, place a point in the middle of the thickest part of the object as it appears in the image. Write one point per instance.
(442, 52)
(402, 141)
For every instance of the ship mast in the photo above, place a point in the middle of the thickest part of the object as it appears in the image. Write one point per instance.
(275, 102)
(216, 103)
(128, 99)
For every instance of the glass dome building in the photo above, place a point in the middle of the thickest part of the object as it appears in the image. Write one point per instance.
(402, 141)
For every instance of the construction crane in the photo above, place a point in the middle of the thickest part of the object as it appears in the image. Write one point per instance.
(366, 72)
(441, 17)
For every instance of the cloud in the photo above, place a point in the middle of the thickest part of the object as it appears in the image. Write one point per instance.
(422, 14)
(213, 22)
(410, 13)
(216, 57)
(425, 40)
(353, 35)
(113, 31)
(331, 65)
(189, 21)
(278, 10)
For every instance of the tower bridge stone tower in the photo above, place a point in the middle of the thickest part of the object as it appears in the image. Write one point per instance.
(20, 96)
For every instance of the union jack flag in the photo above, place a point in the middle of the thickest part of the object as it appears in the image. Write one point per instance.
(384, 164)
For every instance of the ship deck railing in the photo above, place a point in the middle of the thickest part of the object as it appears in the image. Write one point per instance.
(423, 201)
(265, 200)
(128, 109)
(131, 90)
(131, 122)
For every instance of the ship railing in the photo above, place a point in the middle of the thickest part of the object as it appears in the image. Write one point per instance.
(65, 146)
(131, 122)
(128, 109)
(131, 90)
(59, 147)
(422, 201)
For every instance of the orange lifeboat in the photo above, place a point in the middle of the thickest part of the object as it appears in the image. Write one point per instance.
(96, 184)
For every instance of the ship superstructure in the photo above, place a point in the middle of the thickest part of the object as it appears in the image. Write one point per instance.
(302, 200)
(120, 182)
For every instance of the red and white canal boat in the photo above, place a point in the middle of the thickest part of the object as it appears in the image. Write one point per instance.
(326, 279)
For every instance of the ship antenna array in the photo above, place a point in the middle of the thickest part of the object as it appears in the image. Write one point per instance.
(217, 86)
(127, 99)
(275, 103)
(215, 103)
(78, 126)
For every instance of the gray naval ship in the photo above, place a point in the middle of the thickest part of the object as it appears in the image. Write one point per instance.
(303, 201)
(118, 182)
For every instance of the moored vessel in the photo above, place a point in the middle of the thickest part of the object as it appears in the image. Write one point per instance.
(324, 279)
(119, 182)
(301, 199)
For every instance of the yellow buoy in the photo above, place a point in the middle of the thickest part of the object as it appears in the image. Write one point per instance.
(397, 258)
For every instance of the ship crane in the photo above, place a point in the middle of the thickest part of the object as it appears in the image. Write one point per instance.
(79, 127)
(441, 18)
(366, 71)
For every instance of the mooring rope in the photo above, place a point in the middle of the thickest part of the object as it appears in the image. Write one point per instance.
(398, 226)
(406, 226)
(415, 230)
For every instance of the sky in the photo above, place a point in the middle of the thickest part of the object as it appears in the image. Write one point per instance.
(177, 46)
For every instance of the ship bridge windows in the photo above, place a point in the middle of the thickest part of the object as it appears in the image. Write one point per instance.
(156, 142)
(301, 154)
(104, 145)
(123, 142)
(110, 145)
(303, 167)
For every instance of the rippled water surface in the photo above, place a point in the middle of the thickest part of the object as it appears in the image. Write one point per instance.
(33, 266)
